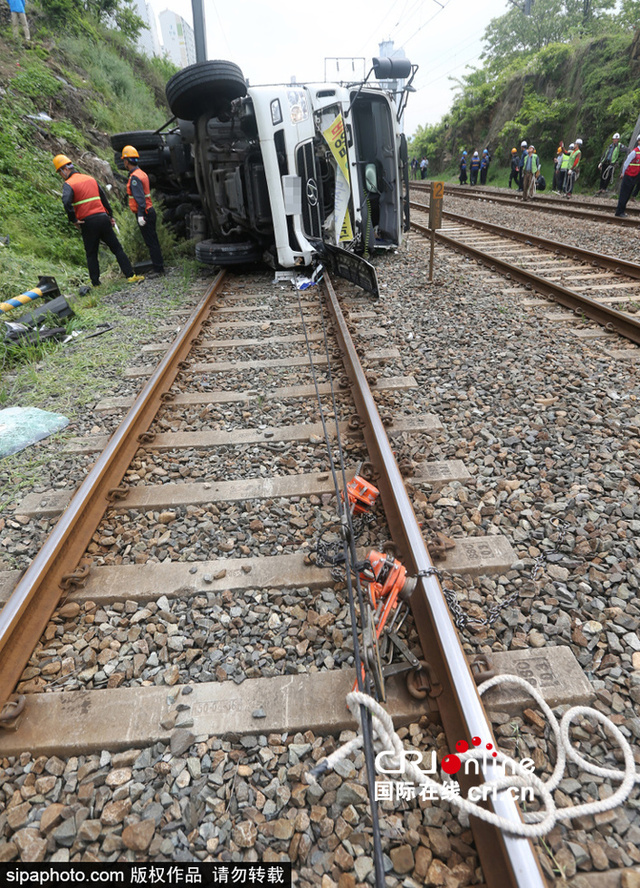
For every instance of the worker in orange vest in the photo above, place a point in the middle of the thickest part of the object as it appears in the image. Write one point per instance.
(140, 205)
(89, 210)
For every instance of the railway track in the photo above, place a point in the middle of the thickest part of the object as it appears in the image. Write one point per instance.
(588, 283)
(90, 548)
(194, 546)
(574, 208)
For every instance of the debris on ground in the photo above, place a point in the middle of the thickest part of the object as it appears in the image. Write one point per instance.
(22, 426)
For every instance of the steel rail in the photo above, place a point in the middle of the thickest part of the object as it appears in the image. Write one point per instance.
(33, 601)
(535, 204)
(613, 320)
(596, 260)
(507, 861)
(552, 201)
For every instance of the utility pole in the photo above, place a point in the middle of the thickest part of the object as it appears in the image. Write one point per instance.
(199, 30)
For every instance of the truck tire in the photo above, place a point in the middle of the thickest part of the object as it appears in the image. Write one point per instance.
(204, 88)
(141, 139)
(150, 159)
(228, 253)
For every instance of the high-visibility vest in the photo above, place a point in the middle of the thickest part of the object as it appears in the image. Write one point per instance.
(144, 179)
(574, 159)
(86, 197)
(634, 166)
(566, 161)
(535, 164)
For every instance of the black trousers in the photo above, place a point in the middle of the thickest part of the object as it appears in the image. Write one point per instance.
(626, 190)
(483, 176)
(150, 237)
(98, 228)
(514, 176)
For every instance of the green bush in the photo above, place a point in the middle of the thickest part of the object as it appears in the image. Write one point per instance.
(36, 82)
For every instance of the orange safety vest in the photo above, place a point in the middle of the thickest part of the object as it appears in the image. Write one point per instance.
(86, 197)
(634, 166)
(139, 174)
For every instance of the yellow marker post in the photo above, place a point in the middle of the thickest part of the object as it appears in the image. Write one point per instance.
(435, 218)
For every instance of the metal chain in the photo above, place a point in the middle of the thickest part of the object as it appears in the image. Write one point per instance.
(330, 554)
(462, 619)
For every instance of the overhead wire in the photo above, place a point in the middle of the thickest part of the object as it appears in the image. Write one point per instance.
(424, 24)
(379, 24)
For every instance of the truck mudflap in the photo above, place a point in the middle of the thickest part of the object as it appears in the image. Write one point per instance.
(347, 265)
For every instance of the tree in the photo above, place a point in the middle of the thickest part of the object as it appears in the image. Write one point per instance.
(551, 21)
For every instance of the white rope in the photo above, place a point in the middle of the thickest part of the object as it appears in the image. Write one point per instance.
(536, 823)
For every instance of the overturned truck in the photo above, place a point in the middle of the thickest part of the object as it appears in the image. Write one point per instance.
(284, 173)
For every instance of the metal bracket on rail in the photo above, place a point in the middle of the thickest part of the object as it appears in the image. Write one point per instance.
(423, 681)
(76, 578)
(117, 493)
(146, 437)
(481, 668)
(11, 712)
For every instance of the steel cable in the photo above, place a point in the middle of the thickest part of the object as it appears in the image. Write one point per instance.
(363, 678)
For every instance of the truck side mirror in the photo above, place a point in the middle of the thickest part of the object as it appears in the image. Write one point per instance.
(391, 69)
(371, 178)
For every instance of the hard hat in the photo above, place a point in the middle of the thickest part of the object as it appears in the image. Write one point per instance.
(532, 146)
(616, 135)
(475, 153)
(572, 145)
(514, 150)
(559, 151)
(463, 153)
(129, 151)
(523, 144)
(578, 141)
(61, 160)
(485, 151)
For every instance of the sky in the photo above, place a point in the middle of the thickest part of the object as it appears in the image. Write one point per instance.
(273, 40)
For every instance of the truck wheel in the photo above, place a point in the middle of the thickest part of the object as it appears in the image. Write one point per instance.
(150, 159)
(141, 139)
(204, 88)
(224, 254)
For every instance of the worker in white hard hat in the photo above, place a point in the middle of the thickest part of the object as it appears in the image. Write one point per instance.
(629, 178)
(523, 157)
(608, 162)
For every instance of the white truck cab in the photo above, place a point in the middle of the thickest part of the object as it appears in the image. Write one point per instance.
(289, 173)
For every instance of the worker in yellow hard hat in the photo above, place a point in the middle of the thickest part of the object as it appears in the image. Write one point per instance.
(514, 175)
(88, 208)
(141, 206)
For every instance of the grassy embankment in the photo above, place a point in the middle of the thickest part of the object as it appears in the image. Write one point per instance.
(67, 95)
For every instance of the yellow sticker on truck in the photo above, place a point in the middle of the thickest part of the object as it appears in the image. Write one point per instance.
(337, 141)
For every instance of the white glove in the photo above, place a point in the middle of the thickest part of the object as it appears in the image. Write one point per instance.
(142, 221)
